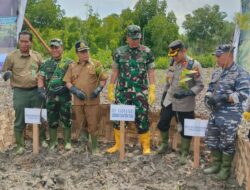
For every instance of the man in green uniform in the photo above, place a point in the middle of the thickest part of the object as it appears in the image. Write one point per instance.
(58, 99)
(133, 66)
(21, 67)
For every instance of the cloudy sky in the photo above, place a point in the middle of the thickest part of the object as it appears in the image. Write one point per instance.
(180, 7)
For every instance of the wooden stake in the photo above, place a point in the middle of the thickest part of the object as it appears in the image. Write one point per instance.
(35, 139)
(196, 152)
(175, 141)
(122, 138)
(248, 181)
(27, 22)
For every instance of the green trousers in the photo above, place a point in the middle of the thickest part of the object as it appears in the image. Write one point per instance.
(24, 98)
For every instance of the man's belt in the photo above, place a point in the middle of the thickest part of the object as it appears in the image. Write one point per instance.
(28, 89)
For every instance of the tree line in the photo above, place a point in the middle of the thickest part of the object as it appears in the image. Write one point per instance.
(204, 29)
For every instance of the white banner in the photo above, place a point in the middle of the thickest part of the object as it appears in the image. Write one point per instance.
(11, 21)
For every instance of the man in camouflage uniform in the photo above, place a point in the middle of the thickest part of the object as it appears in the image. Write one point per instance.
(58, 98)
(133, 63)
(229, 87)
(184, 82)
(85, 80)
(21, 67)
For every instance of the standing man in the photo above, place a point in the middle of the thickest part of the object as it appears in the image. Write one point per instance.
(58, 99)
(21, 67)
(85, 80)
(132, 68)
(184, 82)
(229, 87)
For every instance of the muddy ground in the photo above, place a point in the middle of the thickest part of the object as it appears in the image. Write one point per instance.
(78, 169)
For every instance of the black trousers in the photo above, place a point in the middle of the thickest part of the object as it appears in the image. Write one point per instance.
(166, 115)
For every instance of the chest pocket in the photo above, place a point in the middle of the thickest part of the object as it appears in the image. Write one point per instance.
(91, 69)
(228, 83)
(50, 72)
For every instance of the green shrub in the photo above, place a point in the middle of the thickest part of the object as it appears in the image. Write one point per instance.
(71, 54)
(104, 56)
(206, 60)
(162, 62)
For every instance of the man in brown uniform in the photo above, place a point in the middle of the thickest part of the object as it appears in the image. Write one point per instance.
(86, 79)
(21, 67)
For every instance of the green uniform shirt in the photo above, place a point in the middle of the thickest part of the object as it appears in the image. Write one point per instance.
(53, 71)
(133, 65)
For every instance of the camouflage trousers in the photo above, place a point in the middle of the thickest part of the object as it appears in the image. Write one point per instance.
(221, 131)
(59, 111)
(140, 101)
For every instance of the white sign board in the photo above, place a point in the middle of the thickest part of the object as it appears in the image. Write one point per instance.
(32, 115)
(195, 127)
(122, 112)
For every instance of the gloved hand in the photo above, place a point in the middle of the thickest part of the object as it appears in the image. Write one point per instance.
(151, 94)
(218, 100)
(208, 102)
(96, 92)
(81, 95)
(58, 90)
(41, 93)
(246, 116)
(163, 98)
(183, 93)
(7, 75)
(111, 95)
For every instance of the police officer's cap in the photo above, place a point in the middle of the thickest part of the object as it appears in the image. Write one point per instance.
(174, 47)
(223, 48)
(56, 42)
(134, 32)
(81, 46)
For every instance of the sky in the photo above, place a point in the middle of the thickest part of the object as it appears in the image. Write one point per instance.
(180, 7)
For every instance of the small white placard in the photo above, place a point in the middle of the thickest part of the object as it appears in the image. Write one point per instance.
(122, 112)
(195, 127)
(32, 115)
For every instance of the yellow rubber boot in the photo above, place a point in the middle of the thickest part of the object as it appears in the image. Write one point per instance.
(145, 142)
(246, 116)
(117, 145)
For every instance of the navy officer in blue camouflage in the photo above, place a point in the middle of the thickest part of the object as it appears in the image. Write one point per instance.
(228, 89)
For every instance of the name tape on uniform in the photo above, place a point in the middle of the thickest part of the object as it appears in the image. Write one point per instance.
(122, 112)
(195, 127)
(32, 115)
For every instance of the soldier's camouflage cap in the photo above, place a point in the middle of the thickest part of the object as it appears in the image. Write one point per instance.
(174, 47)
(56, 42)
(223, 48)
(134, 32)
(81, 45)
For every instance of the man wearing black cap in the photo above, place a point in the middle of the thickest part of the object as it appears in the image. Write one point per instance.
(52, 88)
(85, 80)
(229, 87)
(184, 82)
